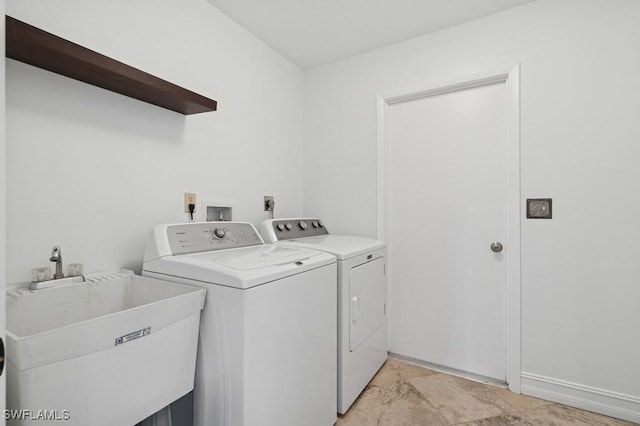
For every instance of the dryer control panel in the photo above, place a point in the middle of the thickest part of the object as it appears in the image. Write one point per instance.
(207, 236)
(288, 229)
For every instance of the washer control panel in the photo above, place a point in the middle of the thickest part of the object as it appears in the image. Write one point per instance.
(288, 229)
(207, 236)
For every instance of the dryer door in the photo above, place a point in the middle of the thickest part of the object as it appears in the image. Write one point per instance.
(367, 298)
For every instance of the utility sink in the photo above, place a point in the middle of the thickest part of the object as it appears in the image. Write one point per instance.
(109, 351)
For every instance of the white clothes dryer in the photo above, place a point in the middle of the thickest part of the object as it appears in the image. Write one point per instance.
(362, 297)
(267, 347)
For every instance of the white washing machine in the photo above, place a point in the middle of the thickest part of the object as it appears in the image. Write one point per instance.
(267, 348)
(362, 297)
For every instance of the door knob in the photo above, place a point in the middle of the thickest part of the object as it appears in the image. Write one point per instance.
(496, 247)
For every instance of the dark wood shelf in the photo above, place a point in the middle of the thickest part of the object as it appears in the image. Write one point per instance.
(39, 48)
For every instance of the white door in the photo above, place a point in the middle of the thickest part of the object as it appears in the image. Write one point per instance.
(446, 206)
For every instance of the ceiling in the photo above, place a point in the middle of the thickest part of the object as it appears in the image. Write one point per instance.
(314, 32)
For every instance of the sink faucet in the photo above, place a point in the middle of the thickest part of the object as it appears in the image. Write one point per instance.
(56, 256)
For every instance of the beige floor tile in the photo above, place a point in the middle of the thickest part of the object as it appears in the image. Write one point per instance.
(409, 370)
(512, 419)
(392, 405)
(460, 400)
(395, 370)
(561, 415)
(404, 394)
(404, 413)
(517, 401)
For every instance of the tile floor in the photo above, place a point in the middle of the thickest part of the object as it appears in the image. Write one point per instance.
(408, 395)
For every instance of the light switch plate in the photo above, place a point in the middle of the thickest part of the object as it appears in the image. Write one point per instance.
(539, 208)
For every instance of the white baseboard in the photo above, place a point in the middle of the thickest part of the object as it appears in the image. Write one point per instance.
(588, 398)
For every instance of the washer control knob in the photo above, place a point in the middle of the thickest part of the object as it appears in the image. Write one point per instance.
(280, 227)
(320, 225)
(219, 233)
(303, 225)
(288, 226)
(314, 223)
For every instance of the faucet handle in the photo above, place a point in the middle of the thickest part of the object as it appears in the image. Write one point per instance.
(41, 274)
(74, 269)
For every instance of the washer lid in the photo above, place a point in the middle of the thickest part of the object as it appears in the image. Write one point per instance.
(341, 246)
(253, 257)
(240, 268)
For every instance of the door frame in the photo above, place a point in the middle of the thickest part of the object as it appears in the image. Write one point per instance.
(510, 75)
(3, 219)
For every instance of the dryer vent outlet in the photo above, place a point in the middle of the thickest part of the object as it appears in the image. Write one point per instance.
(217, 213)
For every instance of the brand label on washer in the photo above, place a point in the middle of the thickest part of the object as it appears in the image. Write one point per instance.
(132, 336)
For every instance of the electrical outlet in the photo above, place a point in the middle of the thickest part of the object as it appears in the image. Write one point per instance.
(269, 203)
(189, 198)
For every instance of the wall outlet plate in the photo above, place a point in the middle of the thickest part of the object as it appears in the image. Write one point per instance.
(269, 203)
(539, 208)
(189, 198)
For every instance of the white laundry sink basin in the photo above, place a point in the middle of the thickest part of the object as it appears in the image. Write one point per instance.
(109, 351)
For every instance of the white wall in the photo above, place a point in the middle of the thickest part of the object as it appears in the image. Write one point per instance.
(93, 171)
(580, 97)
